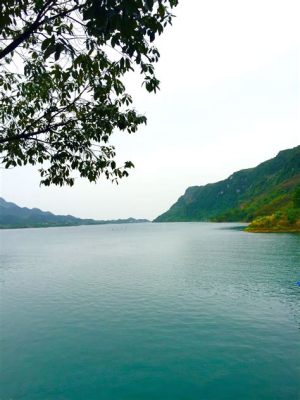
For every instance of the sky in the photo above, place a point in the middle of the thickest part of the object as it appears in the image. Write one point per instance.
(229, 99)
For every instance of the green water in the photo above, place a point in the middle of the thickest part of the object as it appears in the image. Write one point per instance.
(149, 311)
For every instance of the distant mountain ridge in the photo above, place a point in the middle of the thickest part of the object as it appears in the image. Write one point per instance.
(13, 216)
(243, 196)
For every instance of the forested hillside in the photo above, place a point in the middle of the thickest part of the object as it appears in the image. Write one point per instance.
(245, 195)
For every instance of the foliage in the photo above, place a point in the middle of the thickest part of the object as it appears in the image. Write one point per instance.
(243, 196)
(62, 91)
(285, 221)
(296, 198)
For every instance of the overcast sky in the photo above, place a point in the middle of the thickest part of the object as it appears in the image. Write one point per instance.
(229, 100)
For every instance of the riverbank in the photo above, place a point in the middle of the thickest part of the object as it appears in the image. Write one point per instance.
(287, 221)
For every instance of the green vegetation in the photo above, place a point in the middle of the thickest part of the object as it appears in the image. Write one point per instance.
(13, 216)
(62, 90)
(268, 194)
(285, 220)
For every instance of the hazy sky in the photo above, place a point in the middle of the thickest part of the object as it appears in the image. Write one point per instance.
(229, 100)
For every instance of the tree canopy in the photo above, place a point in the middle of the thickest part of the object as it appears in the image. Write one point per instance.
(297, 198)
(62, 91)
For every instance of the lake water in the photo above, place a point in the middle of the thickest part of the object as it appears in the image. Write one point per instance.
(149, 311)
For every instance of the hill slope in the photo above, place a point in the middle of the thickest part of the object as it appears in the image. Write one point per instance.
(245, 195)
(13, 216)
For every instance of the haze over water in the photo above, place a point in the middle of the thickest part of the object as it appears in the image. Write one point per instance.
(149, 311)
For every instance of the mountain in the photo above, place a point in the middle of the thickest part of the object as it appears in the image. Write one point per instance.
(13, 216)
(243, 196)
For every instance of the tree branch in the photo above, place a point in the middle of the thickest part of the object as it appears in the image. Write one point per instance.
(31, 134)
(33, 27)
